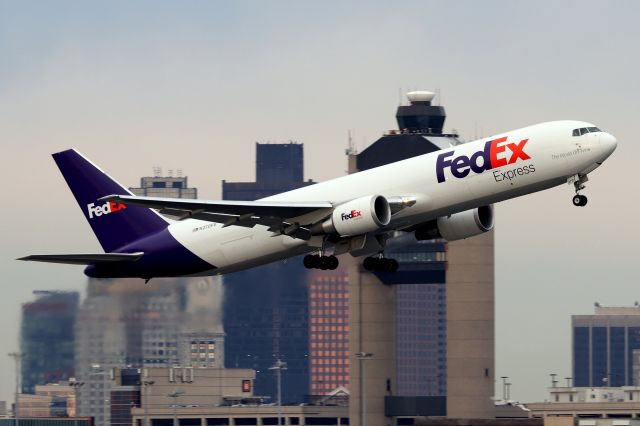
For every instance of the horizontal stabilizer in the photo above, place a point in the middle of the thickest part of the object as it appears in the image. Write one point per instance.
(84, 259)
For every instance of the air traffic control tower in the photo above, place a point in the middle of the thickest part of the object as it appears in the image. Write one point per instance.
(422, 338)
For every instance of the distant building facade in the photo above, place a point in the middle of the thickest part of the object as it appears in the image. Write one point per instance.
(328, 331)
(606, 347)
(127, 323)
(50, 400)
(46, 338)
(165, 186)
(266, 311)
(590, 403)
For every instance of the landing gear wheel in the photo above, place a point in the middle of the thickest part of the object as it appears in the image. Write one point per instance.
(310, 261)
(333, 263)
(382, 264)
(370, 263)
(392, 265)
(314, 261)
(579, 200)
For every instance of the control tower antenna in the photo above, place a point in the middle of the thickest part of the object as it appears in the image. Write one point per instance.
(351, 149)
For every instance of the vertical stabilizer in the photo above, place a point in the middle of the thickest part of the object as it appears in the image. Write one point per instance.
(115, 225)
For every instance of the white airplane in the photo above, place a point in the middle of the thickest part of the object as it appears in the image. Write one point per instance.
(445, 194)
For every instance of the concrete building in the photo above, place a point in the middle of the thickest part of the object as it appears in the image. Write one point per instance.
(606, 347)
(589, 403)
(426, 331)
(50, 400)
(246, 415)
(46, 338)
(266, 309)
(165, 186)
(221, 397)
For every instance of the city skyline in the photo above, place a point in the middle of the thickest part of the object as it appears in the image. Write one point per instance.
(113, 84)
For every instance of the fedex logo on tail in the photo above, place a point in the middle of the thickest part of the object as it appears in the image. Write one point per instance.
(351, 215)
(106, 208)
(496, 153)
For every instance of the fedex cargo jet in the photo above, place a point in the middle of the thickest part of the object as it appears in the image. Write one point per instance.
(445, 194)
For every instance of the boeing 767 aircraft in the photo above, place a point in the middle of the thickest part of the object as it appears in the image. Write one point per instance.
(445, 194)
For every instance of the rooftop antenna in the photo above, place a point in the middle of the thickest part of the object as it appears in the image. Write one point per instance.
(157, 171)
(170, 172)
(351, 150)
(179, 172)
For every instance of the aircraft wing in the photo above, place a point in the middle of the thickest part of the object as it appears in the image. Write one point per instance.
(275, 214)
(84, 259)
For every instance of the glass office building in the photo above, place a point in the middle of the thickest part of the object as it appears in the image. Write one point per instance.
(604, 345)
(47, 339)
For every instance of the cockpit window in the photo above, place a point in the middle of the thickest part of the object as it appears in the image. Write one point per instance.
(585, 130)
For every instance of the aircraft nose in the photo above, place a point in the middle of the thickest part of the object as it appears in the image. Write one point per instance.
(609, 143)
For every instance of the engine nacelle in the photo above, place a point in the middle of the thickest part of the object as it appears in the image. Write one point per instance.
(359, 216)
(458, 226)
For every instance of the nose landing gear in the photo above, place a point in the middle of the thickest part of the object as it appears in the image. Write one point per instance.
(579, 200)
(578, 182)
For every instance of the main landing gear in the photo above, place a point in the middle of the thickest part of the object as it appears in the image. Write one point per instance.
(578, 183)
(382, 264)
(315, 261)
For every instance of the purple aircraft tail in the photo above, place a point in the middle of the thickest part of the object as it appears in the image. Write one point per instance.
(114, 224)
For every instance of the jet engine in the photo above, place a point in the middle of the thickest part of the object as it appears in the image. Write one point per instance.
(458, 226)
(359, 216)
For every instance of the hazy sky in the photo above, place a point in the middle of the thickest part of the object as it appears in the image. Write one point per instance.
(193, 85)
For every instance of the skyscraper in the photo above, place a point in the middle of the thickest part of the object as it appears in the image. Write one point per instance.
(606, 347)
(46, 338)
(266, 312)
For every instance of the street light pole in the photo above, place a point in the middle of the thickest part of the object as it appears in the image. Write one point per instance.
(279, 366)
(363, 356)
(17, 357)
(504, 387)
(554, 382)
